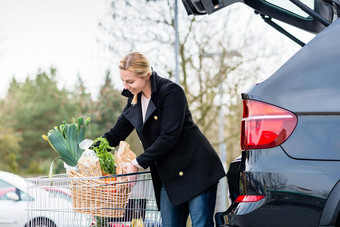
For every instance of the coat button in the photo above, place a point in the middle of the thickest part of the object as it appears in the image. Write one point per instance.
(180, 173)
(155, 117)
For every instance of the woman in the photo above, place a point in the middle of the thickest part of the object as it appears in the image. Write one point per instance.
(184, 166)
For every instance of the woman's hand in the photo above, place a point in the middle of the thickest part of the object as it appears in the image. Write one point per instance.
(132, 178)
(131, 168)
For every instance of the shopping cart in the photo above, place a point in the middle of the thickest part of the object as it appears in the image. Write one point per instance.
(69, 200)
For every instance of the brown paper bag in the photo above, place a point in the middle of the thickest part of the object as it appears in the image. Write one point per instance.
(123, 157)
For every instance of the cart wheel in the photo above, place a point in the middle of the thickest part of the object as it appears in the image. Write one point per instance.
(41, 222)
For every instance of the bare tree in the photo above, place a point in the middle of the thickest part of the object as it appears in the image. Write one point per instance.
(215, 51)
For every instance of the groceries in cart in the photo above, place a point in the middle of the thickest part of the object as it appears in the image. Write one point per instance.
(91, 203)
(87, 157)
(97, 180)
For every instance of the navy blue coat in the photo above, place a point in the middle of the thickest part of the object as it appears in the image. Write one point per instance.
(177, 152)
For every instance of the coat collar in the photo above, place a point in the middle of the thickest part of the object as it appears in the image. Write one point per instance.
(134, 113)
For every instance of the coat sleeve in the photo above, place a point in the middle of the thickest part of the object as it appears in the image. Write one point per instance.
(121, 130)
(173, 109)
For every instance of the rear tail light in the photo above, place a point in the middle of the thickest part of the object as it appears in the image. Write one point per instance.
(248, 198)
(265, 125)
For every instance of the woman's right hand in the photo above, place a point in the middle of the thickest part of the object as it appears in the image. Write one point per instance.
(132, 178)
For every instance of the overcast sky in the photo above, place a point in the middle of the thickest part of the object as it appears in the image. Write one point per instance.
(42, 33)
(60, 33)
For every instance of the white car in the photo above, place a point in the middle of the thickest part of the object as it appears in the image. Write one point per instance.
(19, 206)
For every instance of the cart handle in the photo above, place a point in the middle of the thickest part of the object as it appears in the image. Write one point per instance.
(125, 174)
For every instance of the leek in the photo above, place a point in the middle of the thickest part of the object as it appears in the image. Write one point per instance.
(66, 138)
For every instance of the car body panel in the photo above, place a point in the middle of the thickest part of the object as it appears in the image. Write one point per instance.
(309, 81)
(12, 213)
(291, 187)
(332, 208)
(315, 137)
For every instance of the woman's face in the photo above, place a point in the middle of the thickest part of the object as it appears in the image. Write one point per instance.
(134, 83)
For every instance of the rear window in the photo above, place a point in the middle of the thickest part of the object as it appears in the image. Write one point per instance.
(291, 7)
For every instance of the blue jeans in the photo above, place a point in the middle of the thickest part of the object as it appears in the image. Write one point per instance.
(201, 209)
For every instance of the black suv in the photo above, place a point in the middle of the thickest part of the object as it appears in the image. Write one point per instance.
(290, 167)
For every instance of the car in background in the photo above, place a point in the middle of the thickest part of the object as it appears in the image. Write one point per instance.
(289, 172)
(16, 203)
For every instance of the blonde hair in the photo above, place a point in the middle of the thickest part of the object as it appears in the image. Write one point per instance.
(135, 62)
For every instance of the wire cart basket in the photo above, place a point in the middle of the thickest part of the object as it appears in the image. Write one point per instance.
(71, 199)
